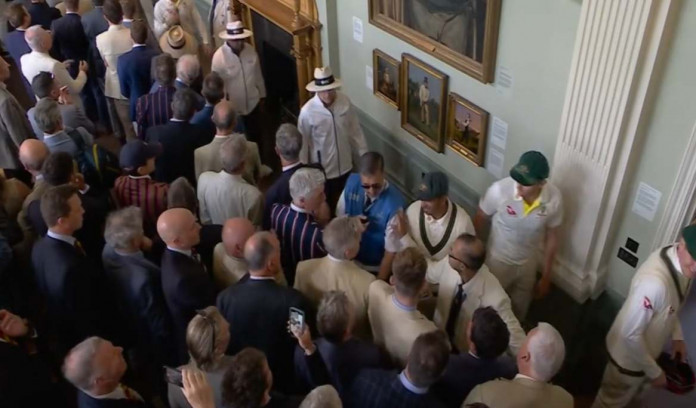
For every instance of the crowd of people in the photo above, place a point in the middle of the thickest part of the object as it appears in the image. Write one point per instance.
(183, 267)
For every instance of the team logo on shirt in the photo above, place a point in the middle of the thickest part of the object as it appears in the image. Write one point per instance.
(671, 310)
(646, 303)
(543, 212)
(511, 211)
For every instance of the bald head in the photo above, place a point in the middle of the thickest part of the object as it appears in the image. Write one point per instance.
(39, 40)
(262, 254)
(32, 154)
(224, 117)
(235, 234)
(470, 254)
(179, 228)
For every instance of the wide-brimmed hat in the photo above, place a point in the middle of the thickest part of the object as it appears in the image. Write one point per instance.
(177, 42)
(324, 80)
(235, 30)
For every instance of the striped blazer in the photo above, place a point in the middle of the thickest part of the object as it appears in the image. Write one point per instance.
(154, 109)
(300, 238)
(143, 192)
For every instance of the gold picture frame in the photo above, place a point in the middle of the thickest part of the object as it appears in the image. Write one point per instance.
(423, 99)
(386, 69)
(467, 129)
(468, 40)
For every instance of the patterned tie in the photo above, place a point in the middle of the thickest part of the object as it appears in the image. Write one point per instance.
(456, 306)
(79, 247)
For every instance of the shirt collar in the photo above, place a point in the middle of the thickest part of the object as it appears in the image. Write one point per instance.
(114, 27)
(334, 259)
(127, 20)
(52, 134)
(60, 237)
(147, 176)
(186, 252)
(71, 12)
(474, 355)
(38, 177)
(117, 393)
(525, 377)
(298, 209)
(176, 120)
(139, 45)
(259, 278)
(291, 166)
(672, 255)
(410, 386)
(402, 306)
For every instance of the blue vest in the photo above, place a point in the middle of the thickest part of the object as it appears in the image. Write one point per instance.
(378, 214)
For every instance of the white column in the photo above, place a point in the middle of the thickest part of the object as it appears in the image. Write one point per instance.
(616, 49)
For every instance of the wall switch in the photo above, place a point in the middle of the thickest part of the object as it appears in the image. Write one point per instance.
(632, 245)
(628, 257)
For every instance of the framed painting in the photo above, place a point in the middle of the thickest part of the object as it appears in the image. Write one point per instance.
(386, 78)
(467, 129)
(462, 33)
(423, 101)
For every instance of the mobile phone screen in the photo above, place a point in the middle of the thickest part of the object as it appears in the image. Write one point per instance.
(297, 317)
(173, 376)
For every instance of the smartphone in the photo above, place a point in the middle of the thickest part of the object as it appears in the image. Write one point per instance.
(297, 317)
(173, 376)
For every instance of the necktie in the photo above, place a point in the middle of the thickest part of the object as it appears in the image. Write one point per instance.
(456, 306)
(79, 247)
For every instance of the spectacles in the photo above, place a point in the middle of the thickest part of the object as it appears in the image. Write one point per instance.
(375, 186)
(459, 260)
(210, 322)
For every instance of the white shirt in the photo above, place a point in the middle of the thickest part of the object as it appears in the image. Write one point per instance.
(244, 85)
(514, 235)
(35, 62)
(189, 17)
(223, 196)
(186, 252)
(65, 238)
(333, 133)
(111, 44)
(424, 94)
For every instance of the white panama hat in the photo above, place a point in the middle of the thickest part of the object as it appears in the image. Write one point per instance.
(324, 80)
(235, 30)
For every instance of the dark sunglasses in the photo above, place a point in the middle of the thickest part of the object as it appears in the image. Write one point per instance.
(375, 186)
(210, 322)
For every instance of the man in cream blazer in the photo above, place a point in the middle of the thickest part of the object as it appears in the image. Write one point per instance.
(393, 309)
(464, 272)
(538, 360)
(336, 271)
(207, 158)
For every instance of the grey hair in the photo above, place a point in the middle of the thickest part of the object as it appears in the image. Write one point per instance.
(78, 367)
(225, 120)
(187, 68)
(33, 36)
(322, 397)
(288, 141)
(257, 256)
(47, 115)
(232, 153)
(547, 351)
(123, 226)
(181, 194)
(340, 235)
(183, 104)
(304, 181)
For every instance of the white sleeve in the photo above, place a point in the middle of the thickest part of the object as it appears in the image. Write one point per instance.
(305, 128)
(517, 334)
(646, 296)
(341, 205)
(203, 208)
(556, 217)
(490, 201)
(392, 243)
(160, 26)
(63, 78)
(356, 136)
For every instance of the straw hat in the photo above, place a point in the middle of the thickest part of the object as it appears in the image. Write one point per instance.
(323, 80)
(177, 42)
(235, 30)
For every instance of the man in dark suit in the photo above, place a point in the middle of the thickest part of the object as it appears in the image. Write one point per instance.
(188, 76)
(20, 20)
(488, 340)
(69, 39)
(179, 139)
(95, 367)
(63, 273)
(94, 24)
(134, 66)
(287, 146)
(42, 14)
(155, 108)
(343, 355)
(410, 388)
(137, 282)
(257, 309)
(185, 283)
(213, 92)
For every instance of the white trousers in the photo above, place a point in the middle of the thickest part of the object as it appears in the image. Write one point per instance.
(517, 280)
(618, 390)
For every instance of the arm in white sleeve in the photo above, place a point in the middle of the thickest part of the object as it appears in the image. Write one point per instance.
(392, 242)
(341, 205)
(305, 129)
(203, 208)
(159, 16)
(517, 334)
(356, 136)
(63, 78)
(677, 333)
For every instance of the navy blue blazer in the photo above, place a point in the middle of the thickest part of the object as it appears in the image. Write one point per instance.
(464, 372)
(85, 401)
(42, 14)
(203, 118)
(94, 24)
(17, 46)
(133, 70)
(278, 193)
(187, 288)
(140, 303)
(383, 389)
(343, 362)
(178, 140)
(70, 41)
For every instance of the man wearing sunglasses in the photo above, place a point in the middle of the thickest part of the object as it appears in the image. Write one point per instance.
(368, 194)
(523, 210)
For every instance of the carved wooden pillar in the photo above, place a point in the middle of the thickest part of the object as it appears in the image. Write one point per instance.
(616, 48)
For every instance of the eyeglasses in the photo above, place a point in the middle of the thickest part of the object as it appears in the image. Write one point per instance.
(375, 186)
(210, 322)
(459, 260)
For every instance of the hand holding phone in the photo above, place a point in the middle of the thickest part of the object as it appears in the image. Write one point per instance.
(297, 318)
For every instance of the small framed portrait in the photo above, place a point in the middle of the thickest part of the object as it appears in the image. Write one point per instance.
(467, 128)
(423, 101)
(386, 77)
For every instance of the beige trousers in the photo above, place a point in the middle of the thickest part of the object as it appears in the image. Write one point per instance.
(517, 280)
(119, 112)
(618, 390)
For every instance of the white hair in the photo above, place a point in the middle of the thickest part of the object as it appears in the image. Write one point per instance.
(78, 367)
(547, 351)
(304, 181)
(233, 152)
(34, 36)
(322, 397)
(123, 226)
(340, 235)
(188, 68)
